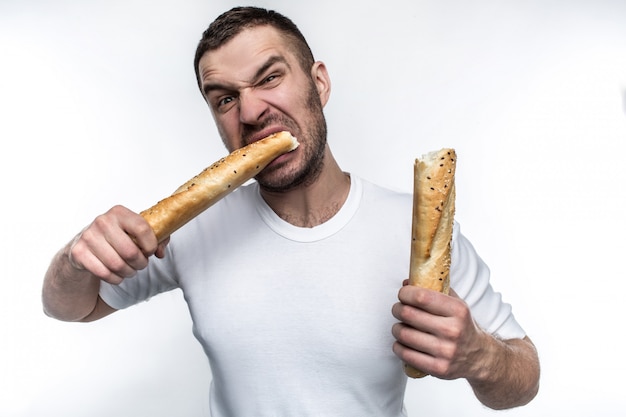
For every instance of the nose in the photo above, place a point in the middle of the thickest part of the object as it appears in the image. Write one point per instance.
(252, 108)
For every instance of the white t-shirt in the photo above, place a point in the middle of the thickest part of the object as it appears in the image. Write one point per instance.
(297, 321)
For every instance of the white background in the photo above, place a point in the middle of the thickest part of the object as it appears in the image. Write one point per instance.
(98, 106)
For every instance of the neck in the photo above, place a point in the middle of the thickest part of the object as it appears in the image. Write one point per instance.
(314, 203)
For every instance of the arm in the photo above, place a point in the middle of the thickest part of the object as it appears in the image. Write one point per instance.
(438, 335)
(114, 247)
(513, 376)
(71, 294)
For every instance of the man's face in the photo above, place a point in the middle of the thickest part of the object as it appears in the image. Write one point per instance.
(255, 86)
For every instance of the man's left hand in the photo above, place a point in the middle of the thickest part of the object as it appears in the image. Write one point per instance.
(437, 333)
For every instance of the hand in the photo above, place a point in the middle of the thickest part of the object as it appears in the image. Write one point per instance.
(437, 334)
(115, 246)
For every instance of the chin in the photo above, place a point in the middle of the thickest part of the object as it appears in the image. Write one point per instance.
(279, 181)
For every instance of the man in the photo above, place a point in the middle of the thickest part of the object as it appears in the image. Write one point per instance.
(290, 280)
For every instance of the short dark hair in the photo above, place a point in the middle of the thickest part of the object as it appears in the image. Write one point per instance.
(232, 22)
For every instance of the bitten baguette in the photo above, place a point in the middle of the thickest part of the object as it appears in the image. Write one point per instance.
(215, 182)
(433, 217)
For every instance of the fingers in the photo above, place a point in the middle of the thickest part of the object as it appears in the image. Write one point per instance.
(415, 339)
(115, 246)
(417, 359)
(418, 328)
(425, 351)
(431, 301)
(416, 318)
(432, 312)
(431, 330)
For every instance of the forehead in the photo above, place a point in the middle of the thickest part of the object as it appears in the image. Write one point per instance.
(244, 52)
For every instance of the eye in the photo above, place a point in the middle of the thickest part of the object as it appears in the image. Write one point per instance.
(271, 79)
(224, 101)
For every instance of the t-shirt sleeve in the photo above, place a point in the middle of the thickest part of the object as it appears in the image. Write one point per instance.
(157, 278)
(470, 279)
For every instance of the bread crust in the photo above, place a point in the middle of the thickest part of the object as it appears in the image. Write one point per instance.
(434, 196)
(214, 183)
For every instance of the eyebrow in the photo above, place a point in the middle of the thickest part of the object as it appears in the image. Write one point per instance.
(274, 59)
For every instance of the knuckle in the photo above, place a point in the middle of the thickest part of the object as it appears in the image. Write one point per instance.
(463, 311)
(119, 265)
(100, 271)
(144, 228)
(117, 210)
(101, 222)
(422, 296)
(134, 257)
(452, 332)
(75, 254)
(442, 368)
(448, 351)
(403, 333)
(404, 313)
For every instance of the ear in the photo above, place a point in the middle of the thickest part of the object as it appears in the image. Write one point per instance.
(319, 75)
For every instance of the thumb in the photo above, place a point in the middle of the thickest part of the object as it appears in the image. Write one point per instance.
(160, 252)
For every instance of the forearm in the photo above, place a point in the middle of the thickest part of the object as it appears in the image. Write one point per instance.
(510, 378)
(69, 294)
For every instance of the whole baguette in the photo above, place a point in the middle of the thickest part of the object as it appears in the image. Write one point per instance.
(433, 217)
(215, 182)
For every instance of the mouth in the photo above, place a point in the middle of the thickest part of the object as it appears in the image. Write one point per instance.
(266, 132)
(277, 164)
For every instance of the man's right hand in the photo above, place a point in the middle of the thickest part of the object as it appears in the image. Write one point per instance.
(115, 245)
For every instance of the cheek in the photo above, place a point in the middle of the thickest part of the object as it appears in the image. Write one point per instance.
(230, 132)
(290, 98)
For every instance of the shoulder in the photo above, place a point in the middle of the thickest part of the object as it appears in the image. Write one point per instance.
(377, 194)
(383, 209)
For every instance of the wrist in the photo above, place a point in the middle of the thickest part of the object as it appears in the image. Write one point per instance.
(490, 361)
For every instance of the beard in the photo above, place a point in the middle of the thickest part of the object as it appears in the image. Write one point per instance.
(313, 142)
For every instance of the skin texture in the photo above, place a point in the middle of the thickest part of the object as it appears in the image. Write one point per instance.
(436, 334)
(255, 86)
